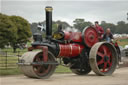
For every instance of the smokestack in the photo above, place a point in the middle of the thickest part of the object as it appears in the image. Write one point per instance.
(48, 10)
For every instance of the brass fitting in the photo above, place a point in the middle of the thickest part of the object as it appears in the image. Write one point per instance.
(48, 8)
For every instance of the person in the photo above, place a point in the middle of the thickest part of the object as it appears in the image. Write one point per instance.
(108, 35)
(99, 29)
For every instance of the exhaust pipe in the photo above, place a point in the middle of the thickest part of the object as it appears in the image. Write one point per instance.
(48, 10)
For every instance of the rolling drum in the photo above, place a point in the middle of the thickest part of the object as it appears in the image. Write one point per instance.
(31, 69)
(103, 58)
(90, 36)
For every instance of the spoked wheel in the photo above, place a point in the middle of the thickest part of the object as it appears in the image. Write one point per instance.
(103, 58)
(37, 70)
(81, 71)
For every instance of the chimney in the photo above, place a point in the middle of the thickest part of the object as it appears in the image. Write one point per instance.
(48, 10)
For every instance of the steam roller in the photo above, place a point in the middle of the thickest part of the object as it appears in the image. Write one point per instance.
(82, 52)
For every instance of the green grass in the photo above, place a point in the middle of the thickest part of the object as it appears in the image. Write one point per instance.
(14, 71)
(123, 42)
(11, 50)
(11, 59)
(62, 69)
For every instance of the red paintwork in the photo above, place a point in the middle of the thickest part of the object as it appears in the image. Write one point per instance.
(102, 52)
(90, 36)
(74, 36)
(67, 35)
(44, 51)
(40, 69)
(70, 50)
(115, 44)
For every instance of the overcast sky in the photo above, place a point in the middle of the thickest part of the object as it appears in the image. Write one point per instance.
(91, 10)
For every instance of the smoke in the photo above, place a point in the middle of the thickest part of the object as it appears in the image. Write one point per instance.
(75, 33)
(69, 29)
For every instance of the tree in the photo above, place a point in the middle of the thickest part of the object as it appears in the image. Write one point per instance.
(55, 24)
(80, 24)
(34, 28)
(122, 27)
(106, 25)
(23, 31)
(63, 23)
(7, 30)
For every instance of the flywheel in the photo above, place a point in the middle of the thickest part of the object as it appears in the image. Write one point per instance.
(90, 36)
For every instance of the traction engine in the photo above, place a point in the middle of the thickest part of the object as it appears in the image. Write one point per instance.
(80, 51)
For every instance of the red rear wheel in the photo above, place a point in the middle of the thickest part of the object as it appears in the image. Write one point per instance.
(103, 58)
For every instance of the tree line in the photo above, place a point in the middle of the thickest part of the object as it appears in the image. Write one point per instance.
(120, 28)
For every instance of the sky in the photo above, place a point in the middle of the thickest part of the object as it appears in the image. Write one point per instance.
(110, 11)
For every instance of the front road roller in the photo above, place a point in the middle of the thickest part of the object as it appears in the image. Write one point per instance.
(32, 64)
(103, 58)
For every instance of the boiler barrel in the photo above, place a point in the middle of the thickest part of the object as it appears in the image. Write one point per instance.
(70, 50)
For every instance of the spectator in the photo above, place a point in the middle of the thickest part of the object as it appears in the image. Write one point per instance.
(99, 29)
(108, 35)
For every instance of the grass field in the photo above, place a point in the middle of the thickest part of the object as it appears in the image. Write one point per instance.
(14, 71)
(123, 42)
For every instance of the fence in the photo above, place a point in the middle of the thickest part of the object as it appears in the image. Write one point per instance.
(9, 60)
